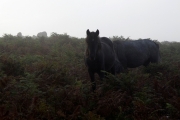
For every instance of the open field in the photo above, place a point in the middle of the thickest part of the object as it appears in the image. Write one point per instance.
(46, 78)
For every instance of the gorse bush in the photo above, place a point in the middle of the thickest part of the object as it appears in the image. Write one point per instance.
(46, 78)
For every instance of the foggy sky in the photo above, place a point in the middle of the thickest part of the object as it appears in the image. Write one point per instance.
(155, 19)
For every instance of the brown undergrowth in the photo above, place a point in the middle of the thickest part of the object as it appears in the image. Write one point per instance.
(46, 79)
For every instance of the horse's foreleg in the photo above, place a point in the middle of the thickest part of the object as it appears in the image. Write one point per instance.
(101, 74)
(91, 74)
(113, 70)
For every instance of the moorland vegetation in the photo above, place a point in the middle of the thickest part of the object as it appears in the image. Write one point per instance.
(46, 78)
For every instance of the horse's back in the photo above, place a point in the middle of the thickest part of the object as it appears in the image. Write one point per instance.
(107, 41)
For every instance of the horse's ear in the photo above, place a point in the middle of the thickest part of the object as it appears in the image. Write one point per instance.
(88, 32)
(97, 32)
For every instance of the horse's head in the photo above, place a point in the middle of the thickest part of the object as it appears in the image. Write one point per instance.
(93, 43)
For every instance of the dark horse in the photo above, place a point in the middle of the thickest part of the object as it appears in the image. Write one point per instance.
(134, 53)
(100, 56)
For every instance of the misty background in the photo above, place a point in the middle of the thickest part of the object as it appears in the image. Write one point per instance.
(155, 19)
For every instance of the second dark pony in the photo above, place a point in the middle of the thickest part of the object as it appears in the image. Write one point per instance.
(134, 53)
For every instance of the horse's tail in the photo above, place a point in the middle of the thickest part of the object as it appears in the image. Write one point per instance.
(159, 53)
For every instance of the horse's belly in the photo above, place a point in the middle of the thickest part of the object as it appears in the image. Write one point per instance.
(136, 62)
